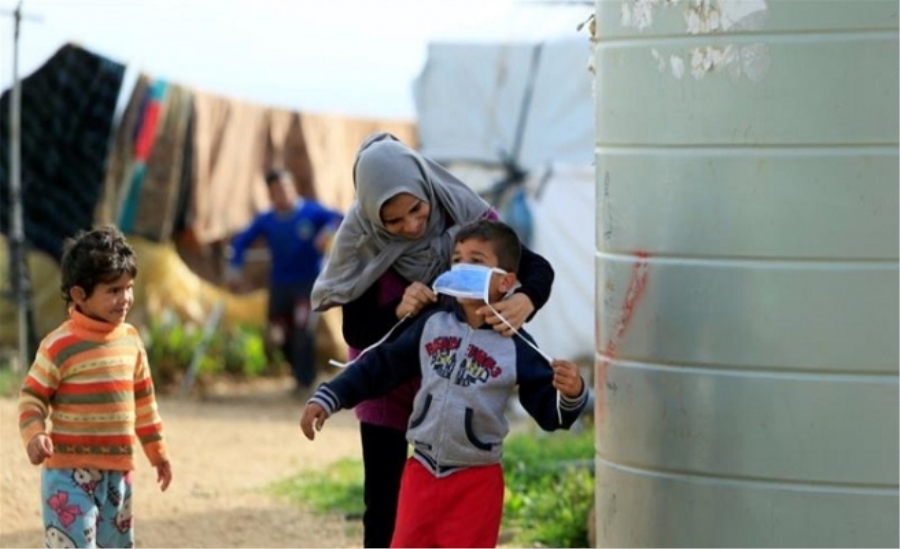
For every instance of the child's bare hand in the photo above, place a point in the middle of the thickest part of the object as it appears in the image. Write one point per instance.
(567, 379)
(40, 447)
(415, 298)
(164, 475)
(313, 419)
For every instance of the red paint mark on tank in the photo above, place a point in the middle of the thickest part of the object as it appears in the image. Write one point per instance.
(637, 284)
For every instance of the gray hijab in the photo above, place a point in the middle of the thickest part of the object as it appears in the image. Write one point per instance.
(363, 249)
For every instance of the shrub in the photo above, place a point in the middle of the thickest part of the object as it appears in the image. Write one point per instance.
(337, 489)
(237, 351)
(549, 488)
(10, 381)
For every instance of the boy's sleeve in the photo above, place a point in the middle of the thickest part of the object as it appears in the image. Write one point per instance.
(537, 394)
(333, 218)
(37, 390)
(148, 424)
(326, 222)
(376, 372)
(243, 239)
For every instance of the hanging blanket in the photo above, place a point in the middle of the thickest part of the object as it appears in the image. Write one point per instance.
(235, 142)
(149, 174)
(333, 141)
(67, 113)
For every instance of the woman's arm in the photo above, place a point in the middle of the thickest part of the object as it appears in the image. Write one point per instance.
(365, 321)
(536, 276)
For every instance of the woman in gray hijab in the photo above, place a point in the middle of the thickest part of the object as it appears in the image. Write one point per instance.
(394, 241)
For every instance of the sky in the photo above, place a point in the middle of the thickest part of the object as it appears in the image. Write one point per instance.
(353, 57)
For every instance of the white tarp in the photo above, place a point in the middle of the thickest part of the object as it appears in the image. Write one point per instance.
(564, 213)
(470, 93)
(469, 99)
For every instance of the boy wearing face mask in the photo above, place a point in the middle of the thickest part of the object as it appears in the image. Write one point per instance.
(469, 371)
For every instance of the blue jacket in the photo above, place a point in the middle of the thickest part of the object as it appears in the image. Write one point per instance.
(291, 241)
(468, 376)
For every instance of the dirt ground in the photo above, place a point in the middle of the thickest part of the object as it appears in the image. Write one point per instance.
(225, 449)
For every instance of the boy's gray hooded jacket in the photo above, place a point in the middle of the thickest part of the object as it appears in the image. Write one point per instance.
(468, 376)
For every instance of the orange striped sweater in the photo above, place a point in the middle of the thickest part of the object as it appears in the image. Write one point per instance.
(92, 380)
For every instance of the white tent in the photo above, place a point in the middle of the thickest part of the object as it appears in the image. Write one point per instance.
(520, 92)
(523, 78)
(565, 234)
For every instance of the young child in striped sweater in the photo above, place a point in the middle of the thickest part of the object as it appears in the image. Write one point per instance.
(91, 380)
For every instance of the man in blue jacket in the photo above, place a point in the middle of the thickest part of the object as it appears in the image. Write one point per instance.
(296, 231)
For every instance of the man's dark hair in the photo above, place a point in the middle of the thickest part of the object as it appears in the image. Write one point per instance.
(501, 236)
(93, 257)
(276, 175)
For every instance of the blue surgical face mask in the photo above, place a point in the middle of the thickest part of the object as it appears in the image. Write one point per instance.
(463, 280)
(467, 281)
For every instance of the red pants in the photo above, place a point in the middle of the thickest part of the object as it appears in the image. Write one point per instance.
(460, 510)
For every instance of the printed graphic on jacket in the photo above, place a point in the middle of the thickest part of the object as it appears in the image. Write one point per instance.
(442, 354)
(478, 365)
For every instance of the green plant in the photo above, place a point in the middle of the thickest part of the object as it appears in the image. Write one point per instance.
(10, 378)
(238, 351)
(242, 351)
(170, 344)
(10, 381)
(337, 489)
(540, 470)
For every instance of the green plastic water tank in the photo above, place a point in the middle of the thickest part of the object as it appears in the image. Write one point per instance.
(747, 273)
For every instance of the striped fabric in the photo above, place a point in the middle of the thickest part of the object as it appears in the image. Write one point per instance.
(92, 380)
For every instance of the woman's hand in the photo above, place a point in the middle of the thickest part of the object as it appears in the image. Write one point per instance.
(416, 297)
(515, 309)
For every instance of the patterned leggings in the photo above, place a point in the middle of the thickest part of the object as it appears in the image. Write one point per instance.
(87, 508)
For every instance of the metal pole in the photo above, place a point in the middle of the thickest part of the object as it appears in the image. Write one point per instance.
(17, 232)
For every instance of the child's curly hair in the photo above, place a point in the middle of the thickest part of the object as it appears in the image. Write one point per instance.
(94, 257)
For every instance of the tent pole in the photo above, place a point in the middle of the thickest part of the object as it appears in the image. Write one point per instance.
(18, 268)
(17, 233)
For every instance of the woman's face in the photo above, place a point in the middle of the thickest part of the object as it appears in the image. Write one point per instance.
(406, 216)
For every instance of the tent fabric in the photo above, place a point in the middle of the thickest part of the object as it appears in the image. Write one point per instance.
(469, 101)
(144, 138)
(167, 174)
(164, 283)
(180, 172)
(68, 105)
(162, 161)
(564, 210)
(235, 142)
(149, 169)
(121, 153)
(332, 141)
(513, 101)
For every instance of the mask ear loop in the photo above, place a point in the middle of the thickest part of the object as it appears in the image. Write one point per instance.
(533, 346)
(339, 364)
